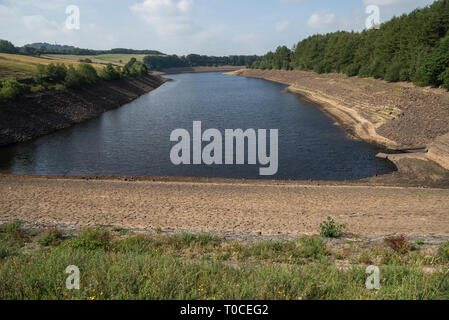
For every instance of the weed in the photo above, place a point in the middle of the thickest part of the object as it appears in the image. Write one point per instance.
(331, 229)
(398, 244)
(90, 240)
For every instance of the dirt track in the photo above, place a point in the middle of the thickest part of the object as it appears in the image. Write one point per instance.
(269, 208)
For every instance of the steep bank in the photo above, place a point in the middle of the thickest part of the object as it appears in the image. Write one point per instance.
(38, 114)
(397, 116)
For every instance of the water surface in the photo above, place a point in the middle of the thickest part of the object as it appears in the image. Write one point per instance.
(135, 139)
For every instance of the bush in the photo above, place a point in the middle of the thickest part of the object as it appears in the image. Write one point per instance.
(55, 73)
(87, 73)
(11, 89)
(331, 229)
(73, 79)
(110, 73)
(134, 68)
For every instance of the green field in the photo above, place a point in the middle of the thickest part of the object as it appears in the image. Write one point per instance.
(16, 66)
(116, 264)
(116, 59)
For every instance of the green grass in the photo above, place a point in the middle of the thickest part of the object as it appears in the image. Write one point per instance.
(201, 266)
(116, 59)
(16, 66)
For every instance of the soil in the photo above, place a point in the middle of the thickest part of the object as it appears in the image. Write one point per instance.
(263, 207)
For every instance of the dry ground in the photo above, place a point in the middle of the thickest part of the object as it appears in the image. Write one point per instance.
(235, 206)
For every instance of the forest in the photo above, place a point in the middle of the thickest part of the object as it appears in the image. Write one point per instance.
(194, 60)
(413, 47)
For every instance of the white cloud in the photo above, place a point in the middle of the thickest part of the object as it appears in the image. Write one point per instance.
(167, 17)
(282, 25)
(321, 20)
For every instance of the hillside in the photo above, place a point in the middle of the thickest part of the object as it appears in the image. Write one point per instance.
(116, 59)
(16, 66)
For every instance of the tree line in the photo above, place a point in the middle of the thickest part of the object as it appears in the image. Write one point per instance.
(195, 60)
(60, 77)
(413, 47)
(37, 49)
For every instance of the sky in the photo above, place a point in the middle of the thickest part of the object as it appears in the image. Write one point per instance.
(212, 27)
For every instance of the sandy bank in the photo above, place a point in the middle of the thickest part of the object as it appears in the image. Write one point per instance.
(268, 208)
(396, 116)
(35, 115)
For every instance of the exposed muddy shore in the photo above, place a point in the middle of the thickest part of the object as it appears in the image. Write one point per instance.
(400, 117)
(35, 115)
(268, 208)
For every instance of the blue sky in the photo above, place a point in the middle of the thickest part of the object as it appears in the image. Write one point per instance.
(214, 27)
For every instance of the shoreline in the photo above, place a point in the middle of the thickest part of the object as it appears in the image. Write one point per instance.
(366, 120)
(196, 70)
(35, 115)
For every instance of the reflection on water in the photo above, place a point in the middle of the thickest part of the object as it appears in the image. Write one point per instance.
(135, 139)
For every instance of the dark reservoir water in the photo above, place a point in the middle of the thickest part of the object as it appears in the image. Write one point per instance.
(135, 139)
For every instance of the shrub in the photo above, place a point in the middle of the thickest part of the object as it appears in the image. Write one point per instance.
(331, 229)
(398, 243)
(11, 89)
(53, 73)
(87, 73)
(134, 68)
(73, 79)
(110, 73)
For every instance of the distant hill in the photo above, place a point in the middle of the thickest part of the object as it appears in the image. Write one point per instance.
(48, 46)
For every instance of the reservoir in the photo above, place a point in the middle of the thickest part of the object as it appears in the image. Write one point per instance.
(134, 140)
